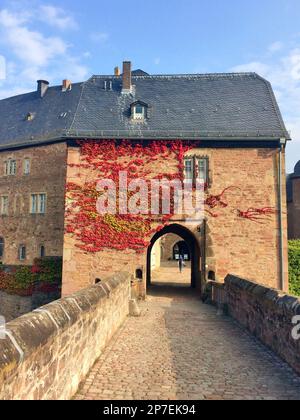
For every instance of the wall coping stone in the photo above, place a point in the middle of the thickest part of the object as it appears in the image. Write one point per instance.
(35, 329)
(273, 296)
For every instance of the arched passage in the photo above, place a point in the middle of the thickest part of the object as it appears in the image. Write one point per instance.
(189, 238)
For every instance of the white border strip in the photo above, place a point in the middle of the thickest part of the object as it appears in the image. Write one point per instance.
(49, 315)
(14, 341)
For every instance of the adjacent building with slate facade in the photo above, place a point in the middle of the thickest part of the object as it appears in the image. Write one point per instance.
(236, 126)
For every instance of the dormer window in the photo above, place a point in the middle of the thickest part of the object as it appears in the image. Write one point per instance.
(139, 111)
(30, 116)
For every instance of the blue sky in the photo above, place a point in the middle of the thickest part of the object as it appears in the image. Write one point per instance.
(67, 39)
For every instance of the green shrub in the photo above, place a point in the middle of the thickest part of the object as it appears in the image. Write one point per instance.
(19, 282)
(48, 270)
(45, 275)
(24, 278)
(294, 267)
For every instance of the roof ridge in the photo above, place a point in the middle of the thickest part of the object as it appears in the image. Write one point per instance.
(180, 76)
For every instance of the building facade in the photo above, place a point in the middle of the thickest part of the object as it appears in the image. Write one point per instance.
(223, 128)
(293, 196)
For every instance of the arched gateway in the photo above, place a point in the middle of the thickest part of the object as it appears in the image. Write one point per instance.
(192, 243)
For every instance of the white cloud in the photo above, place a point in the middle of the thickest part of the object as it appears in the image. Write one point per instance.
(29, 46)
(99, 37)
(157, 61)
(2, 68)
(252, 67)
(275, 47)
(284, 74)
(57, 17)
(34, 55)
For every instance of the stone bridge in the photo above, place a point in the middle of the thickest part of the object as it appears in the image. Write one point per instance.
(87, 347)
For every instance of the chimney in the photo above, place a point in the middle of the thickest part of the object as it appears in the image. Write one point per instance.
(117, 71)
(42, 87)
(127, 86)
(66, 85)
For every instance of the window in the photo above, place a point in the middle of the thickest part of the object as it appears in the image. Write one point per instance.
(30, 116)
(4, 205)
(38, 204)
(26, 166)
(22, 252)
(10, 167)
(42, 251)
(1, 247)
(202, 166)
(189, 169)
(196, 169)
(139, 111)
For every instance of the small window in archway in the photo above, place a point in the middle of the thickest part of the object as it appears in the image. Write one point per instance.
(139, 274)
(181, 249)
(97, 281)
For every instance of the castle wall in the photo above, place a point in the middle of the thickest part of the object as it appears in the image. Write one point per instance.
(248, 248)
(20, 227)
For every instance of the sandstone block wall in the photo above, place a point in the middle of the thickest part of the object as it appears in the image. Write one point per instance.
(53, 350)
(19, 227)
(232, 244)
(294, 211)
(14, 306)
(267, 313)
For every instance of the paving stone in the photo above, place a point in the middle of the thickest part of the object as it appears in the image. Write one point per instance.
(180, 349)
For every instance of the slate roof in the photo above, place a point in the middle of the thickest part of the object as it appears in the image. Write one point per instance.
(212, 106)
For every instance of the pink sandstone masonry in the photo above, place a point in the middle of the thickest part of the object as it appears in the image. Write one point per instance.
(19, 226)
(231, 244)
(52, 350)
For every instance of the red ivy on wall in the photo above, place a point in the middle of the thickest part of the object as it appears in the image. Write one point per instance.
(105, 160)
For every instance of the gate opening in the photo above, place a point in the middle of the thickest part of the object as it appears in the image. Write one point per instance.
(174, 258)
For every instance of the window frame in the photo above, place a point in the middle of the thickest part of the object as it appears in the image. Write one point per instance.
(38, 203)
(196, 159)
(42, 251)
(25, 162)
(139, 116)
(22, 252)
(4, 212)
(191, 172)
(10, 167)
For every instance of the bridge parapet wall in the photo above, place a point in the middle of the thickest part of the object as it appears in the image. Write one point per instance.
(267, 313)
(47, 353)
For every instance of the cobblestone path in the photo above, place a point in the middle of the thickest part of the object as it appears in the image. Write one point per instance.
(180, 349)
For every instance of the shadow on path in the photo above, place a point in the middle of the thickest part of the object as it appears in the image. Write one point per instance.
(180, 349)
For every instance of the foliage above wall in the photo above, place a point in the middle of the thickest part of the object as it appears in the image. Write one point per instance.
(45, 276)
(139, 160)
(294, 267)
